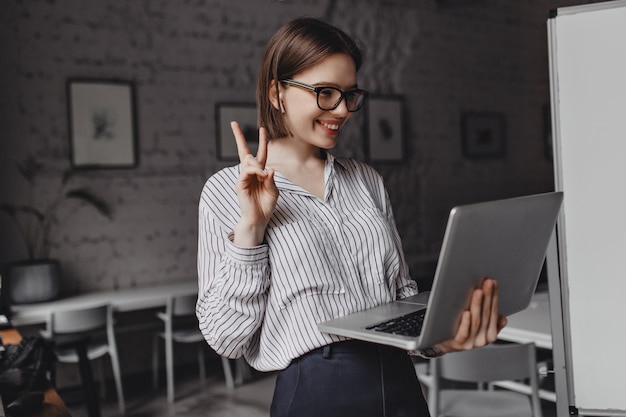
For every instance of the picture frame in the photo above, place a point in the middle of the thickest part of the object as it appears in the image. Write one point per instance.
(385, 128)
(246, 115)
(102, 123)
(483, 135)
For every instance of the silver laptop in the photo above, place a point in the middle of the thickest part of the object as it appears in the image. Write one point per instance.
(503, 239)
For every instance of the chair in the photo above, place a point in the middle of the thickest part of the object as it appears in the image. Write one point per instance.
(179, 330)
(84, 323)
(496, 362)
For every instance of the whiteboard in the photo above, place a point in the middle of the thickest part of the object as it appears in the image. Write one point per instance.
(588, 96)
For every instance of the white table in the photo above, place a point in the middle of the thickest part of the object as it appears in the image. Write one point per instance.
(127, 299)
(531, 324)
(123, 300)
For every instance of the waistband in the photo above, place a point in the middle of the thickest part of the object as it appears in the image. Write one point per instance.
(353, 346)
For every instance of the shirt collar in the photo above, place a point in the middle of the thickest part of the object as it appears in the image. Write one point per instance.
(282, 183)
(331, 159)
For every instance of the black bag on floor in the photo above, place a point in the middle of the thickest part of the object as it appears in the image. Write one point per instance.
(24, 367)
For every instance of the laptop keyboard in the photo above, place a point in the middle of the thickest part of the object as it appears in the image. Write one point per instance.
(408, 325)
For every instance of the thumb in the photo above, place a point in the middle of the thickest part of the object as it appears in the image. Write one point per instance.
(269, 182)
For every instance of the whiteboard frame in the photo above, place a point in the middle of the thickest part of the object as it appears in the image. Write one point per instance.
(558, 277)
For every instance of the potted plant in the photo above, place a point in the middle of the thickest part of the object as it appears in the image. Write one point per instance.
(38, 277)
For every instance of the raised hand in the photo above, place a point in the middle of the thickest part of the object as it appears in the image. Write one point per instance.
(256, 190)
(481, 323)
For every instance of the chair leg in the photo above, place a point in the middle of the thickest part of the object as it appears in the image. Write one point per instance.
(117, 375)
(115, 362)
(53, 375)
(242, 370)
(201, 363)
(93, 404)
(228, 373)
(169, 365)
(101, 378)
(155, 361)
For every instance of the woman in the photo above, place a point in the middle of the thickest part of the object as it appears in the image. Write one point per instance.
(293, 236)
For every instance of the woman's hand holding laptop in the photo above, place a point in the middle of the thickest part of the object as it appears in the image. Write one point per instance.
(479, 325)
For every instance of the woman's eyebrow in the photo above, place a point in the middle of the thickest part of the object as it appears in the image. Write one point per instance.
(331, 84)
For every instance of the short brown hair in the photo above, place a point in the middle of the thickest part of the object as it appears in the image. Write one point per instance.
(295, 47)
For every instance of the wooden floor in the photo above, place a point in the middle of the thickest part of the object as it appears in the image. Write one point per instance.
(251, 399)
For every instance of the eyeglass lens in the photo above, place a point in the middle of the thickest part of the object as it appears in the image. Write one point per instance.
(328, 98)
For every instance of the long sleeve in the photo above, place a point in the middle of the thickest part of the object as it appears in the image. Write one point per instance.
(232, 281)
(405, 285)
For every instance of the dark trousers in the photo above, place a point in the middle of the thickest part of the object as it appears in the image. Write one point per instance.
(349, 379)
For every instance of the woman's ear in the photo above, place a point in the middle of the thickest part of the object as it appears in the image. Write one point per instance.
(275, 96)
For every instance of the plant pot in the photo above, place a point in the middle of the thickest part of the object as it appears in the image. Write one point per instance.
(34, 281)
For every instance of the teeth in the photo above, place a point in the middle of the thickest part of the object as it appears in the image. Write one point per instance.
(329, 126)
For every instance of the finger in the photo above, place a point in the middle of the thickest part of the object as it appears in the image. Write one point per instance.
(269, 182)
(240, 139)
(502, 322)
(462, 332)
(269, 176)
(497, 321)
(476, 312)
(249, 170)
(487, 320)
(261, 154)
(250, 161)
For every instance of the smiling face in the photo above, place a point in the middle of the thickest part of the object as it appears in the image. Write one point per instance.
(307, 123)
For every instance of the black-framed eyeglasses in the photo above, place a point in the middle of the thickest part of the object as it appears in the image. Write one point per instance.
(328, 98)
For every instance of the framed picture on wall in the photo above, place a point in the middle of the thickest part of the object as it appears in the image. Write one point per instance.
(385, 128)
(102, 123)
(482, 135)
(246, 115)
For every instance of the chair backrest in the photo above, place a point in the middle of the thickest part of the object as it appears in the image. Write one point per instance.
(79, 320)
(184, 305)
(179, 308)
(496, 362)
(490, 363)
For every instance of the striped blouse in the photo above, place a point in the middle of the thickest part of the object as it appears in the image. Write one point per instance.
(320, 259)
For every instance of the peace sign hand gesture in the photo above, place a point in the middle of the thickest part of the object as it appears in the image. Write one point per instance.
(256, 190)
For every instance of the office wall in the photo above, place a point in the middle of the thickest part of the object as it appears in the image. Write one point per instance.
(445, 57)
